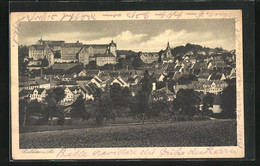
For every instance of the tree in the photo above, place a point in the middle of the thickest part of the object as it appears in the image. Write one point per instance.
(45, 63)
(57, 54)
(104, 109)
(160, 56)
(29, 108)
(116, 95)
(143, 95)
(22, 53)
(122, 63)
(146, 83)
(35, 108)
(228, 102)
(108, 67)
(52, 100)
(157, 103)
(76, 69)
(186, 79)
(59, 94)
(78, 109)
(186, 102)
(137, 62)
(207, 102)
(142, 105)
(126, 96)
(92, 65)
(23, 113)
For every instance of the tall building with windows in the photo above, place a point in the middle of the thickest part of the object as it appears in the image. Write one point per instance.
(39, 51)
(73, 52)
(101, 53)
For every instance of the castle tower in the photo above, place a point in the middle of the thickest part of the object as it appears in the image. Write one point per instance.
(112, 48)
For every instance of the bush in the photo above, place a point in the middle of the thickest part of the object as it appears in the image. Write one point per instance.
(228, 102)
(42, 121)
(61, 121)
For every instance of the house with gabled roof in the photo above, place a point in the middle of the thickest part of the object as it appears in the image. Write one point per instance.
(212, 65)
(81, 80)
(25, 93)
(38, 94)
(66, 84)
(177, 75)
(203, 75)
(217, 76)
(169, 94)
(28, 85)
(69, 96)
(83, 73)
(209, 86)
(100, 83)
(134, 80)
(89, 93)
(120, 81)
(93, 73)
(177, 68)
(68, 77)
(43, 83)
(149, 57)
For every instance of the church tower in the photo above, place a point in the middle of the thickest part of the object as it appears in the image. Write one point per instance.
(168, 52)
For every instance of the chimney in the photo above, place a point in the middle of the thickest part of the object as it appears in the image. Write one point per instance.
(154, 86)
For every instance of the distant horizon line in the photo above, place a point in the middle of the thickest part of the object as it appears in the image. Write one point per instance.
(131, 49)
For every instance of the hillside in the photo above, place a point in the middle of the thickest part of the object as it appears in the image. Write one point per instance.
(127, 52)
(196, 50)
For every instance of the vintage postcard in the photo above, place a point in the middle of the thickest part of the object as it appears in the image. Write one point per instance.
(127, 85)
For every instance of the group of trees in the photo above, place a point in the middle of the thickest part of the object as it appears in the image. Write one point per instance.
(187, 102)
(120, 96)
(22, 53)
(46, 111)
(144, 104)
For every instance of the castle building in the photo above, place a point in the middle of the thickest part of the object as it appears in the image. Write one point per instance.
(107, 58)
(101, 53)
(69, 51)
(39, 51)
(73, 52)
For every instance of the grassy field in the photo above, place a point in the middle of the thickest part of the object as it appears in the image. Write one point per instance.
(69, 124)
(192, 133)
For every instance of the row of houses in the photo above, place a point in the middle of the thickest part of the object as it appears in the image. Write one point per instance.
(82, 85)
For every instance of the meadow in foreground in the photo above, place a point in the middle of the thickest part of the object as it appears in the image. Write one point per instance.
(189, 133)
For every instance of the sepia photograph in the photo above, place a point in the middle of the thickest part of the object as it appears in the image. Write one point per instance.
(120, 83)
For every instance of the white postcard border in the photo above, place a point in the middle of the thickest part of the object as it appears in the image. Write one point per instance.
(125, 153)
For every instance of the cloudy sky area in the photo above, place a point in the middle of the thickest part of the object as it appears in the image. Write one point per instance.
(150, 35)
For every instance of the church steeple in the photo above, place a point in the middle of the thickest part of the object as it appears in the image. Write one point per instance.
(168, 45)
(168, 53)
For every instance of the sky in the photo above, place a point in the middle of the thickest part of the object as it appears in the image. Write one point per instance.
(136, 35)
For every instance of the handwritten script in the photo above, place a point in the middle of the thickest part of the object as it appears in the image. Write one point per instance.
(92, 16)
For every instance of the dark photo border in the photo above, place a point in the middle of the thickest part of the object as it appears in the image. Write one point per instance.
(248, 48)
